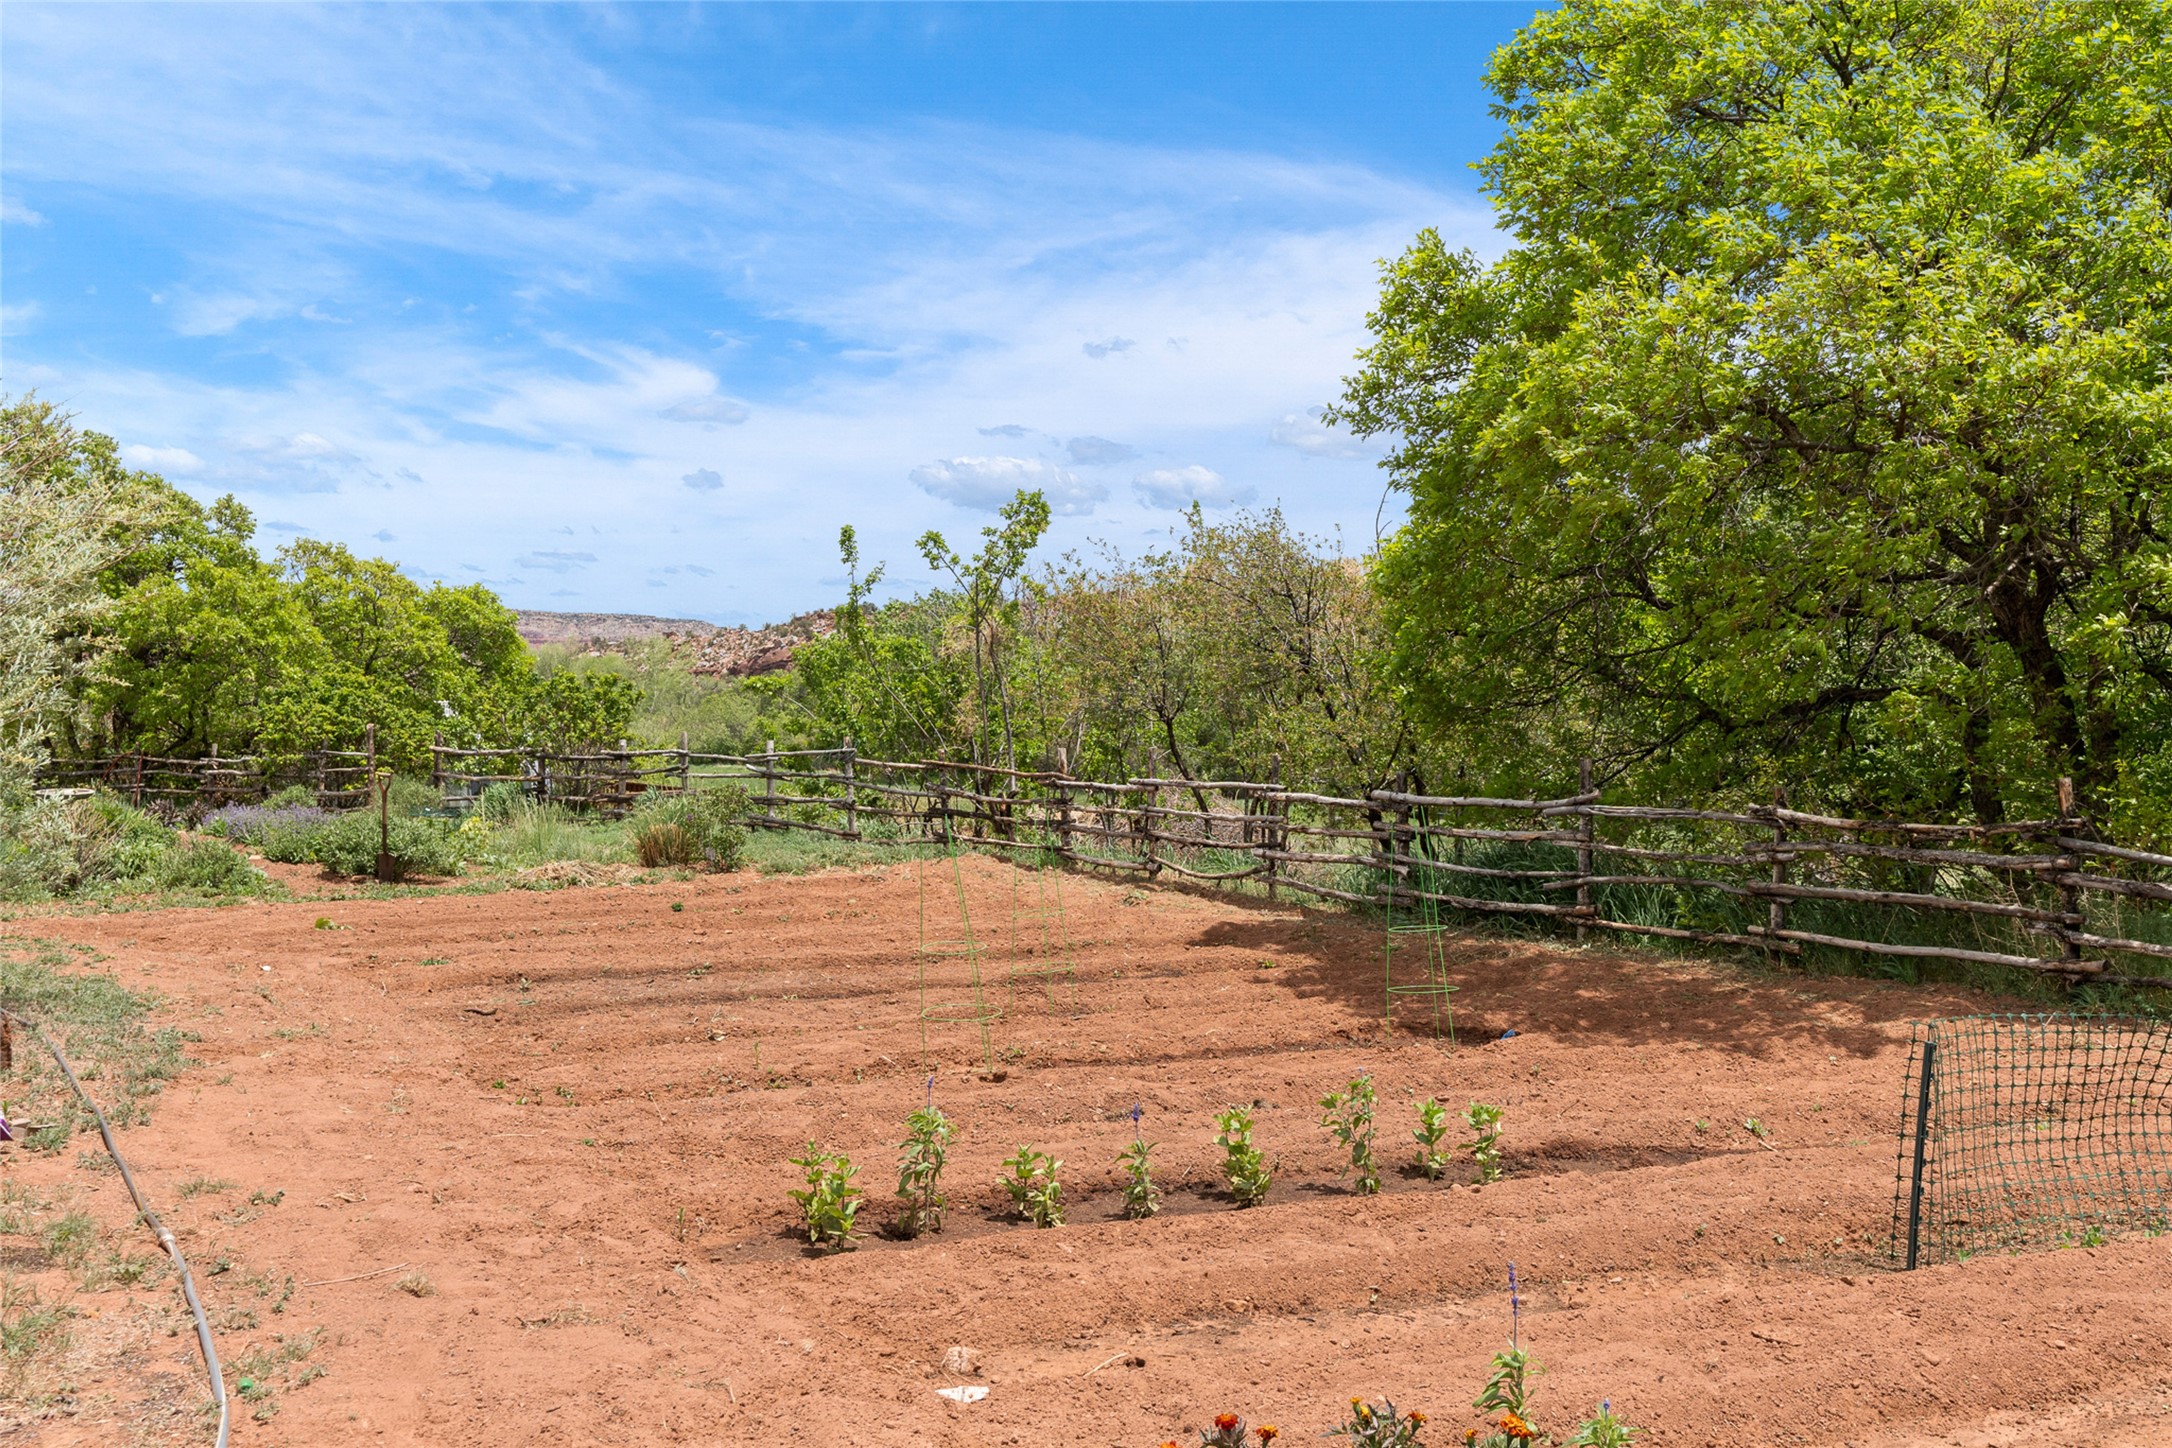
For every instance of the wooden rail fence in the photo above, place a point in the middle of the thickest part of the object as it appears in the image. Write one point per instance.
(2045, 896)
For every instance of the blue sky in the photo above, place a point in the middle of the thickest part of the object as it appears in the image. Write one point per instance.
(628, 308)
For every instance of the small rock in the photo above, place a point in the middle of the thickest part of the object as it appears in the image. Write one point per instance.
(806, 1344)
(961, 1362)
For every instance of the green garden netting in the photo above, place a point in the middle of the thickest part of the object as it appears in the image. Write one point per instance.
(2027, 1131)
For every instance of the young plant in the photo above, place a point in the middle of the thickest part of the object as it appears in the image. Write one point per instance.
(919, 1171)
(1229, 1432)
(1348, 1116)
(1383, 1427)
(1141, 1197)
(1485, 1143)
(830, 1202)
(1506, 1399)
(1033, 1187)
(1242, 1165)
(1432, 1136)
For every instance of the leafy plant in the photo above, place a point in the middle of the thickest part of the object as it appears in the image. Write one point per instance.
(830, 1202)
(1431, 1135)
(1485, 1143)
(703, 827)
(919, 1171)
(1243, 1167)
(1034, 1190)
(1142, 1199)
(1603, 1430)
(349, 845)
(1506, 1398)
(1381, 1427)
(1229, 1432)
(1348, 1116)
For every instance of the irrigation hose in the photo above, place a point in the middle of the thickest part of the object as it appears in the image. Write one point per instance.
(150, 1219)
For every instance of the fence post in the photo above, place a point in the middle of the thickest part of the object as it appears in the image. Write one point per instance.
(1922, 1149)
(769, 786)
(2070, 896)
(1063, 801)
(211, 777)
(1776, 910)
(369, 747)
(437, 765)
(1584, 832)
(1273, 837)
(852, 793)
(686, 766)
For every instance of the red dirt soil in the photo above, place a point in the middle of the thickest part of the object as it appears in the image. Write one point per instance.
(609, 1243)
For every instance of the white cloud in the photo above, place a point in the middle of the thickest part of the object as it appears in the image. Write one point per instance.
(555, 561)
(986, 484)
(16, 317)
(14, 213)
(1099, 451)
(1309, 433)
(1008, 429)
(1181, 487)
(707, 409)
(1103, 349)
(161, 459)
(703, 480)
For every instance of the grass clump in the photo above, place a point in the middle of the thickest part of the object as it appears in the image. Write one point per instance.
(704, 828)
(98, 1023)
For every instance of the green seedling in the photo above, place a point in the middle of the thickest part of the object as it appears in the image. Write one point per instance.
(1033, 1187)
(1348, 1116)
(1485, 1143)
(1432, 1137)
(1141, 1197)
(830, 1202)
(1243, 1167)
(919, 1171)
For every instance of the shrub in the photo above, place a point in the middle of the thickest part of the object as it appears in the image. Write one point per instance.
(284, 832)
(207, 866)
(703, 827)
(56, 847)
(348, 845)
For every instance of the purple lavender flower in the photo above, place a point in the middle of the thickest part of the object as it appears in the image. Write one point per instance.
(1515, 1308)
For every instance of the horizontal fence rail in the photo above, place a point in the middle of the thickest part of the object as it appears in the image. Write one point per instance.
(2041, 896)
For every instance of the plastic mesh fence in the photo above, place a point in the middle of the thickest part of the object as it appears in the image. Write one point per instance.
(2032, 1131)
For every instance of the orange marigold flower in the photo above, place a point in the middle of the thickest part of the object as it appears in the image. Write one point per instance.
(1515, 1427)
(1417, 1419)
(1268, 1432)
(1226, 1421)
(1470, 1435)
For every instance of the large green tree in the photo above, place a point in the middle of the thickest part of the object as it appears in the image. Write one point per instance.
(1813, 428)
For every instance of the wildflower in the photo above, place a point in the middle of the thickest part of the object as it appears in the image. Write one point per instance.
(1417, 1419)
(1225, 1421)
(1513, 1426)
(1268, 1432)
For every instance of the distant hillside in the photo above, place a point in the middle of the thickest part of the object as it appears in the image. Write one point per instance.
(707, 648)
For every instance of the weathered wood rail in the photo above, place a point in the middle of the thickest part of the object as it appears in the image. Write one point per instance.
(2039, 895)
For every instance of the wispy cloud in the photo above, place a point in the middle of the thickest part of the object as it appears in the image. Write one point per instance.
(986, 484)
(1182, 487)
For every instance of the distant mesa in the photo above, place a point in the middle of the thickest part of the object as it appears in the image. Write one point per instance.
(720, 652)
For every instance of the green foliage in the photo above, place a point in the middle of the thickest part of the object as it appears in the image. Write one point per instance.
(1348, 1116)
(920, 1170)
(702, 827)
(1431, 1134)
(98, 1022)
(205, 866)
(1383, 1427)
(349, 844)
(1812, 428)
(829, 1203)
(1485, 1143)
(1506, 1393)
(1603, 1429)
(1142, 1199)
(1243, 1167)
(1034, 1190)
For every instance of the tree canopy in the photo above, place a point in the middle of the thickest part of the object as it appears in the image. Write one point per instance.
(1814, 426)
